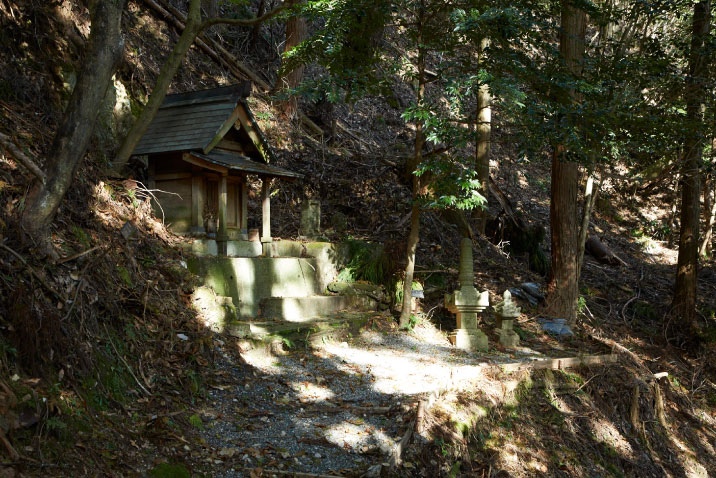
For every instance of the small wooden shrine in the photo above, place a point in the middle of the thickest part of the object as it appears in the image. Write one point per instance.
(200, 148)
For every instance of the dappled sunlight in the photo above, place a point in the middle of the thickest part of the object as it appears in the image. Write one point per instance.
(605, 432)
(409, 373)
(306, 391)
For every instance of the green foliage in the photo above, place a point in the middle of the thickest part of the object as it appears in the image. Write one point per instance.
(581, 304)
(195, 421)
(367, 261)
(167, 470)
(7, 352)
(347, 46)
(56, 426)
(398, 290)
(123, 274)
(81, 236)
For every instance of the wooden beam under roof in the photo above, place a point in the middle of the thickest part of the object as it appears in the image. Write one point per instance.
(235, 116)
(190, 158)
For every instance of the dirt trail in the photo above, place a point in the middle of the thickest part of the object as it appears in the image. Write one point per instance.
(337, 409)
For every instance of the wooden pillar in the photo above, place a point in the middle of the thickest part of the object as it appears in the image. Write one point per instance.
(222, 234)
(266, 213)
(244, 225)
(197, 205)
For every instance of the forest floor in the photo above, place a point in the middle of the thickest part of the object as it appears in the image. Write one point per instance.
(119, 376)
(338, 408)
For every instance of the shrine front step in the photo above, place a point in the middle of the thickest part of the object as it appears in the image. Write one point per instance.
(262, 329)
(304, 309)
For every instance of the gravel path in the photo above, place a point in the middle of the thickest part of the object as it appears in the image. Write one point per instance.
(325, 410)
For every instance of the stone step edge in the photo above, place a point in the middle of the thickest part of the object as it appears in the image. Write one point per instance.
(262, 329)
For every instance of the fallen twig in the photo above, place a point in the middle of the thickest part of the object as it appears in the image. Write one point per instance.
(42, 280)
(82, 281)
(364, 410)
(129, 369)
(21, 158)
(295, 474)
(78, 255)
(14, 455)
(397, 453)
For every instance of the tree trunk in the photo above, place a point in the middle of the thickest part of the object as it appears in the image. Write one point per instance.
(159, 92)
(709, 207)
(562, 290)
(563, 286)
(590, 195)
(104, 50)
(684, 303)
(414, 234)
(256, 30)
(296, 32)
(674, 209)
(709, 216)
(482, 149)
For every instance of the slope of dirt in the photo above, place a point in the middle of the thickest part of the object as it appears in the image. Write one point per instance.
(106, 370)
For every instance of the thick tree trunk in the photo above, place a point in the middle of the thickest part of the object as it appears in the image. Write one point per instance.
(482, 149)
(684, 303)
(104, 50)
(562, 290)
(296, 32)
(563, 287)
(414, 234)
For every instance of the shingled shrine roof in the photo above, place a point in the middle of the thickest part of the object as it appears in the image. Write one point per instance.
(199, 120)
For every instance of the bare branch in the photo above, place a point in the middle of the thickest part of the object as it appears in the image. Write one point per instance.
(242, 22)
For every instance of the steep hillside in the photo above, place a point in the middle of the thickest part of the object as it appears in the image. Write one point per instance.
(106, 369)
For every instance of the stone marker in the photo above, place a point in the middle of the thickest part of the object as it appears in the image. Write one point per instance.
(506, 313)
(466, 303)
(311, 218)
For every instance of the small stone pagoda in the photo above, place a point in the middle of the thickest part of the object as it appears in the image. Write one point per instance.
(506, 312)
(466, 303)
(201, 148)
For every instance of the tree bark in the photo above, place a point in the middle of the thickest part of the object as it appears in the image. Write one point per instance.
(482, 149)
(414, 234)
(590, 195)
(684, 303)
(256, 30)
(674, 209)
(104, 50)
(562, 290)
(296, 32)
(709, 207)
(709, 216)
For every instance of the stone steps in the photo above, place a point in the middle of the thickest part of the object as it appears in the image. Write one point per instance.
(303, 309)
(289, 285)
(262, 329)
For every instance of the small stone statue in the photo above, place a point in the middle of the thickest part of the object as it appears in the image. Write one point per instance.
(506, 312)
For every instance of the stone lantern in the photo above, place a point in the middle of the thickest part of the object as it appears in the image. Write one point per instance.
(506, 313)
(466, 303)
